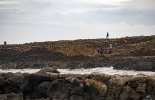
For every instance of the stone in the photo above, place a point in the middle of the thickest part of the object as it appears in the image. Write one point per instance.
(100, 77)
(115, 85)
(1, 79)
(3, 97)
(135, 96)
(42, 89)
(13, 96)
(141, 87)
(95, 88)
(78, 91)
(75, 97)
(151, 86)
(123, 96)
(110, 96)
(73, 80)
(48, 70)
(55, 90)
(8, 75)
(30, 85)
(10, 82)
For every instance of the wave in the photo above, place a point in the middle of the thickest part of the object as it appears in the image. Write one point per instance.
(102, 70)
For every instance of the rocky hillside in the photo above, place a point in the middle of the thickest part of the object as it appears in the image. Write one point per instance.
(136, 53)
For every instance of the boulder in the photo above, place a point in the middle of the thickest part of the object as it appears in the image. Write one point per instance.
(75, 97)
(1, 80)
(48, 70)
(57, 88)
(134, 95)
(73, 80)
(8, 75)
(95, 88)
(129, 93)
(13, 96)
(16, 78)
(151, 86)
(124, 96)
(63, 89)
(77, 86)
(3, 96)
(42, 89)
(115, 85)
(100, 77)
(11, 83)
(139, 83)
(30, 85)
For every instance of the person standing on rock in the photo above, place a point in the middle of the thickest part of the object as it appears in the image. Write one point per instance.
(107, 37)
(5, 46)
(110, 49)
(100, 49)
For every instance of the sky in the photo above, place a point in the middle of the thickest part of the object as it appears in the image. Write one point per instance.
(25, 21)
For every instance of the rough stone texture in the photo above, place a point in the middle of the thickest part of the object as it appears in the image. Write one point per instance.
(1, 79)
(95, 88)
(115, 85)
(47, 70)
(42, 89)
(10, 82)
(75, 87)
(137, 54)
(75, 97)
(30, 84)
(57, 88)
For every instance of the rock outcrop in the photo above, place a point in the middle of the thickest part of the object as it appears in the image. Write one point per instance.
(48, 70)
(138, 53)
(76, 87)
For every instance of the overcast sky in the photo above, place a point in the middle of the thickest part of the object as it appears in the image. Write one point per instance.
(24, 21)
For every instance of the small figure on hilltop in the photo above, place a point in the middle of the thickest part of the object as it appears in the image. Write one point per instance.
(5, 46)
(107, 37)
(4, 42)
(110, 49)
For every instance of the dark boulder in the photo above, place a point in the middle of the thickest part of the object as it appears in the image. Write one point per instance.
(30, 85)
(10, 82)
(42, 89)
(96, 90)
(57, 89)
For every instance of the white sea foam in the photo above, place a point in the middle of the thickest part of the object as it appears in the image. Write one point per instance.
(105, 70)
(19, 70)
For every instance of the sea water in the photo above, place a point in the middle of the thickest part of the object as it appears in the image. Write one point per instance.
(104, 70)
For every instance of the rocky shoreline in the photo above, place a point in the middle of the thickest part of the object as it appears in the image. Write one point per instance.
(48, 84)
(137, 54)
(143, 63)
